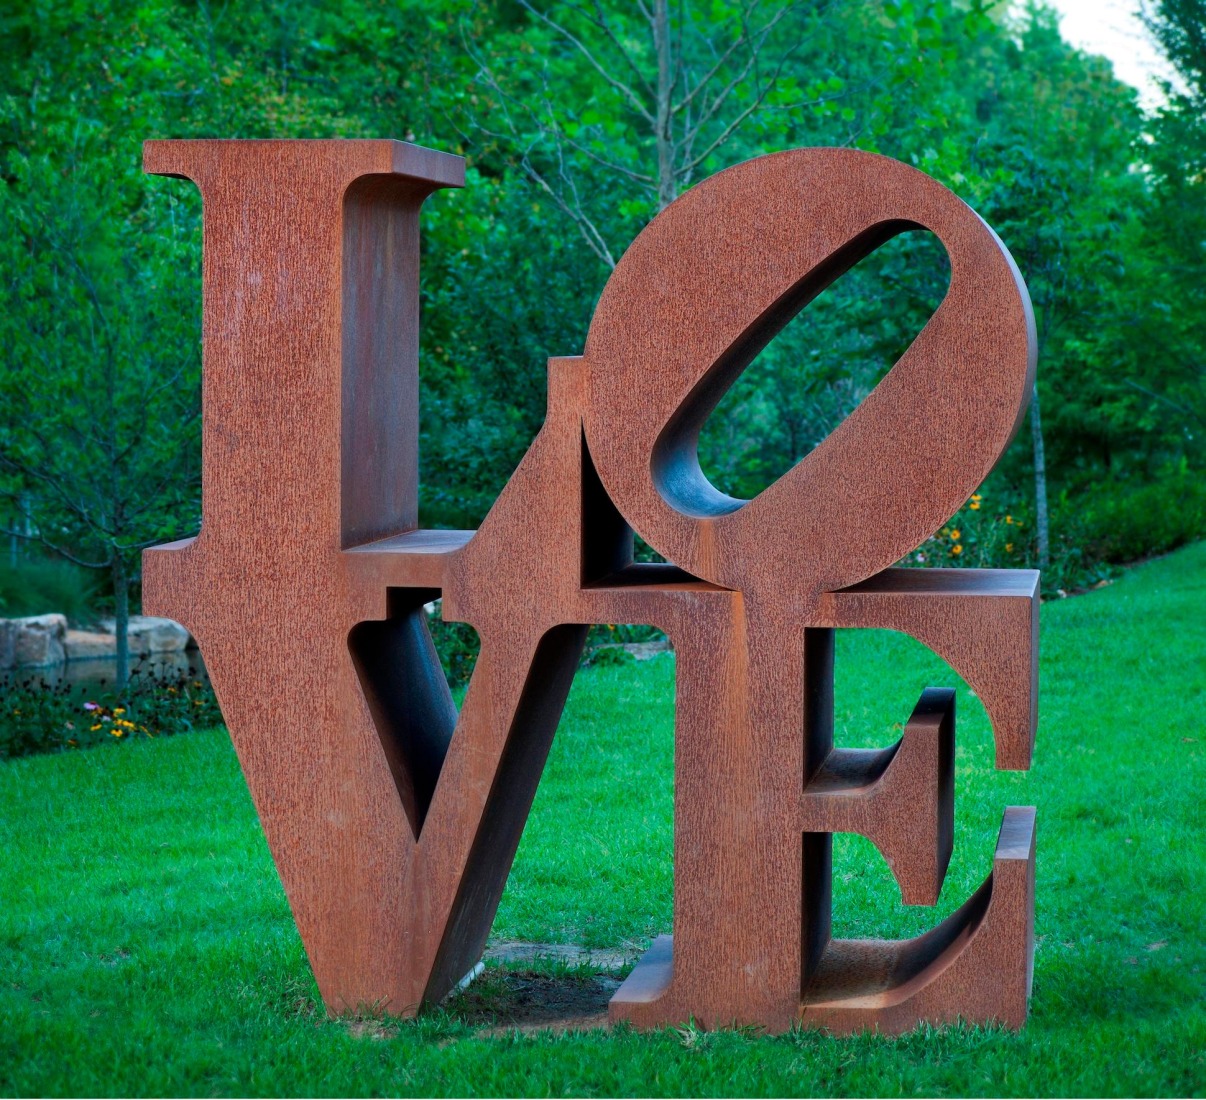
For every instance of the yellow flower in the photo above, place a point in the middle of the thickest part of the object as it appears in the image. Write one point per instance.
(976, 496)
(94, 728)
(956, 549)
(956, 534)
(1009, 548)
(1009, 519)
(974, 505)
(120, 710)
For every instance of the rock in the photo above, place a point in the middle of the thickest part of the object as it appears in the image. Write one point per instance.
(150, 634)
(82, 645)
(640, 651)
(37, 642)
(643, 651)
(165, 636)
(53, 624)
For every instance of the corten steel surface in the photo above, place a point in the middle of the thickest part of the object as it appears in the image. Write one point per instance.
(393, 819)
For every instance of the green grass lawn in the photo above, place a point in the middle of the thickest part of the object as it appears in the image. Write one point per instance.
(146, 946)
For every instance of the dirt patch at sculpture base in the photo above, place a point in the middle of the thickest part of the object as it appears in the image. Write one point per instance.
(505, 1000)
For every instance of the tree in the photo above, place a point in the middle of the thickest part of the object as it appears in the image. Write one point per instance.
(1177, 158)
(610, 110)
(652, 97)
(98, 423)
(100, 285)
(1059, 207)
(581, 119)
(1179, 26)
(675, 87)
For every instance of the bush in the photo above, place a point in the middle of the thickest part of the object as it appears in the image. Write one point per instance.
(1120, 522)
(457, 645)
(988, 532)
(1094, 529)
(37, 716)
(605, 643)
(41, 587)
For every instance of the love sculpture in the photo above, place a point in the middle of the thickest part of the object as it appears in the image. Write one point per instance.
(394, 820)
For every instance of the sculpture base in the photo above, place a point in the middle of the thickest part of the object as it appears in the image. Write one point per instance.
(976, 966)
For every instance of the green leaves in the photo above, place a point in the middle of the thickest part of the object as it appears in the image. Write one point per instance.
(557, 106)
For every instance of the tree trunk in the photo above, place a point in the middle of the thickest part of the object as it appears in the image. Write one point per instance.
(121, 618)
(665, 148)
(22, 527)
(1041, 520)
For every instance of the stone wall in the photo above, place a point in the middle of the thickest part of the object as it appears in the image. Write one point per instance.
(43, 641)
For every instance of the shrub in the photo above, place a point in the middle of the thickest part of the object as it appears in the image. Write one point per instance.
(1094, 529)
(1122, 522)
(40, 587)
(606, 656)
(986, 533)
(37, 716)
(457, 645)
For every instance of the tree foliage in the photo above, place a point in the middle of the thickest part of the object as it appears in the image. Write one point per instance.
(581, 119)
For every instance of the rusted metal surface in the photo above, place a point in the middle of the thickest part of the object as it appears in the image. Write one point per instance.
(394, 819)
